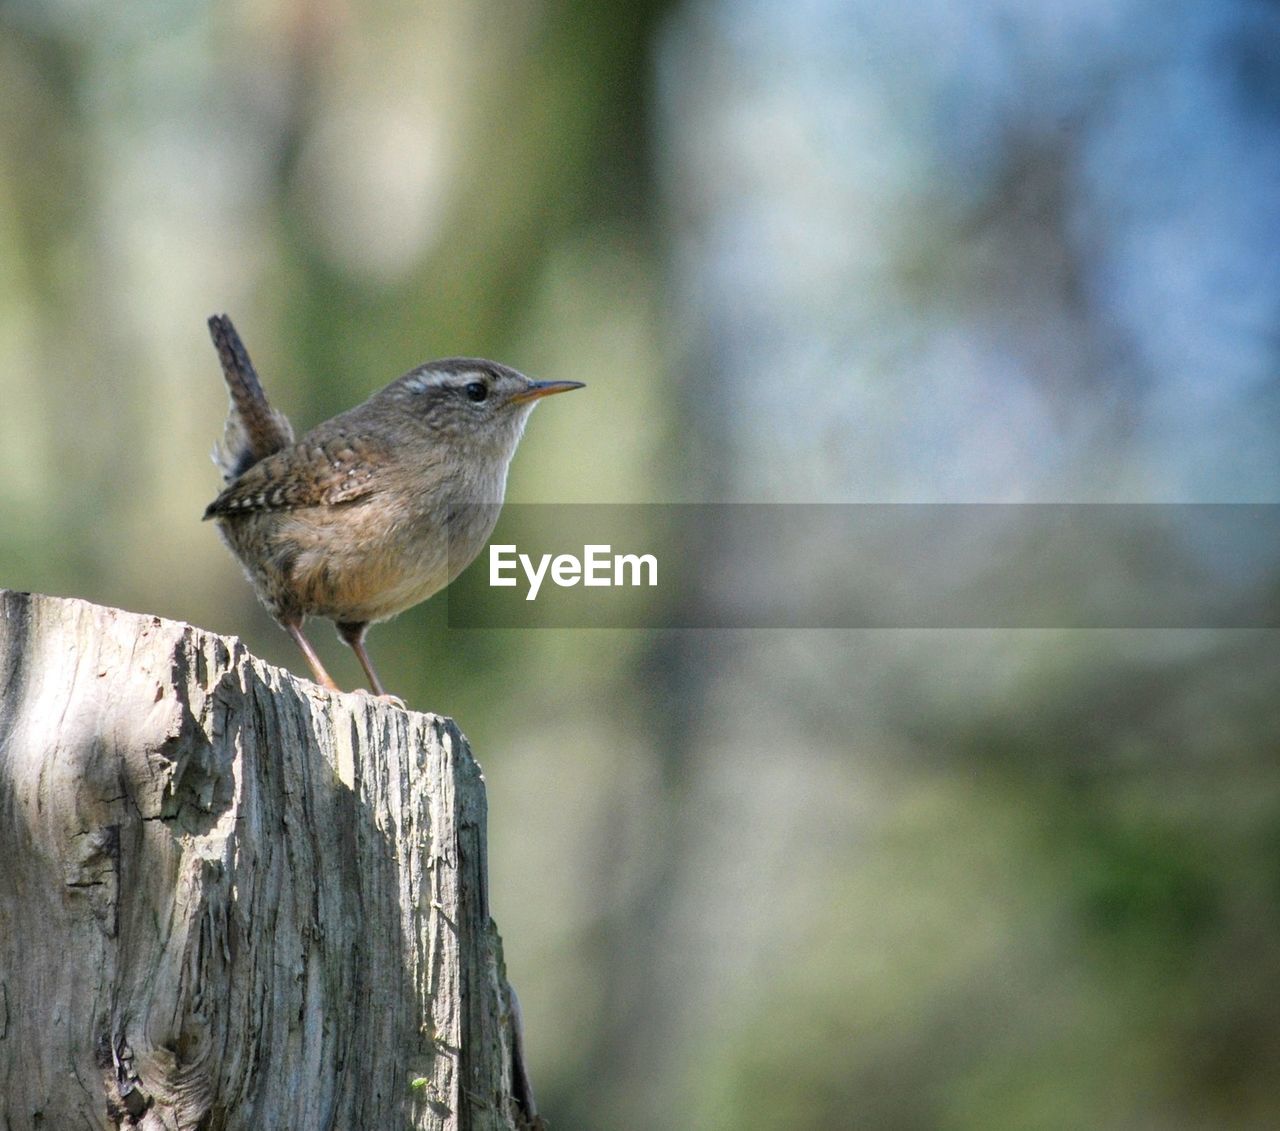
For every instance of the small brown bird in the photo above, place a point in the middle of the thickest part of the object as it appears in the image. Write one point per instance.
(372, 511)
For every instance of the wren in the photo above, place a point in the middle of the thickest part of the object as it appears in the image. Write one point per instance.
(375, 510)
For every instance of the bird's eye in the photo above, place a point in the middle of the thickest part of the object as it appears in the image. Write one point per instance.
(476, 391)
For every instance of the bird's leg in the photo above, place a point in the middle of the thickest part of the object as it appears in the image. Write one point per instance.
(293, 626)
(353, 634)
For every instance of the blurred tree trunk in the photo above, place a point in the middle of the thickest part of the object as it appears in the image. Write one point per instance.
(231, 900)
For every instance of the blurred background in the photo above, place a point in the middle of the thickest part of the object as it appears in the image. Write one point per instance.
(820, 251)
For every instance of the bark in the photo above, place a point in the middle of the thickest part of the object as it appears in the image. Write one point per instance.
(230, 899)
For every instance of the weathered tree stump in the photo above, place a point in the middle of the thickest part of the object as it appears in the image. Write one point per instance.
(230, 899)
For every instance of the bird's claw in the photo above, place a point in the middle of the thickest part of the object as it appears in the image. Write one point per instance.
(384, 697)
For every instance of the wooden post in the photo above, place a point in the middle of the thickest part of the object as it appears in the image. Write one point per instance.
(229, 899)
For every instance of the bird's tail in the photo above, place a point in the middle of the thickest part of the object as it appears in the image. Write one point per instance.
(254, 429)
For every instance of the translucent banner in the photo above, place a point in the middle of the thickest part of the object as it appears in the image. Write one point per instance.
(875, 566)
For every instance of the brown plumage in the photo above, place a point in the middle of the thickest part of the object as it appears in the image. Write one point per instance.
(375, 510)
(254, 429)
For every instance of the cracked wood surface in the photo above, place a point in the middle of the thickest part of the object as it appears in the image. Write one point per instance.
(230, 899)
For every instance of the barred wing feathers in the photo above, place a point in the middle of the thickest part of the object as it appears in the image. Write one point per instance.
(313, 473)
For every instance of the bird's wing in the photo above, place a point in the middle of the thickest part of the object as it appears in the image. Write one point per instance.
(338, 468)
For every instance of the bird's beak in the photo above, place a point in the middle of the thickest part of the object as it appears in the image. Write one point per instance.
(538, 389)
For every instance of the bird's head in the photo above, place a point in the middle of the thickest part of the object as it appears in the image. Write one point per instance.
(474, 403)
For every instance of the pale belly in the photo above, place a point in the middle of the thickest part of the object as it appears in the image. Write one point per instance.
(358, 566)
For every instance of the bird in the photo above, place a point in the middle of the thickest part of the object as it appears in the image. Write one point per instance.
(376, 509)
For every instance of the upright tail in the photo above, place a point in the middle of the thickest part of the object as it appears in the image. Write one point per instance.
(254, 429)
